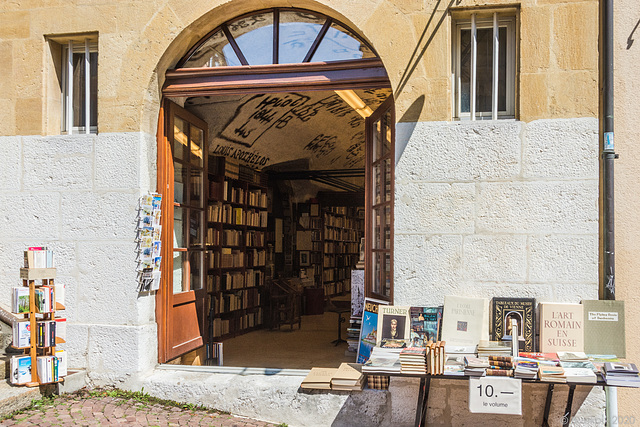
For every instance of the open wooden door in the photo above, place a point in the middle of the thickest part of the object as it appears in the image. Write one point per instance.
(379, 200)
(182, 164)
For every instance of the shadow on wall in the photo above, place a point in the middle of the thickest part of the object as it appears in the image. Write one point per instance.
(420, 49)
(406, 125)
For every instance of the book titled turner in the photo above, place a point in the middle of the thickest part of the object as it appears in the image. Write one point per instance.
(393, 323)
(561, 327)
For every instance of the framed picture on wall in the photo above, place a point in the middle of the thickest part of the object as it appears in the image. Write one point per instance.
(304, 258)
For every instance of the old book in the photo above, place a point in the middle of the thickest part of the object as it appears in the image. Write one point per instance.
(465, 321)
(348, 377)
(561, 327)
(393, 323)
(319, 378)
(425, 325)
(520, 309)
(604, 331)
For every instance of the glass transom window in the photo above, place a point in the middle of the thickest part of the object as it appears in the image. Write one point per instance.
(277, 36)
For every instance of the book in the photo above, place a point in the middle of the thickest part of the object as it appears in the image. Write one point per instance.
(619, 368)
(62, 363)
(369, 329)
(20, 300)
(20, 369)
(572, 356)
(425, 325)
(604, 330)
(348, 377)
(561, 327)
(520, 309)
(580, 375)
(21, 333)
(319, 378)
(393, 323)
(553, 374)
(465, 320)
(61, 330)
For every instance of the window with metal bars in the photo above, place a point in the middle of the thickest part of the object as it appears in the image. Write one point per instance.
(79, 85)
(484, 67)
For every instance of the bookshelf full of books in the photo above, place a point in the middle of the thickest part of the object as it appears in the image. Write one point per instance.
(38, 333)
(237, 215)
(342, 230)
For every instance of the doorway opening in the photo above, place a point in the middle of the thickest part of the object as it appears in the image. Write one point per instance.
(277, 185)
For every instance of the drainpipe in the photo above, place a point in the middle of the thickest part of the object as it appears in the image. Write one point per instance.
(608, 157)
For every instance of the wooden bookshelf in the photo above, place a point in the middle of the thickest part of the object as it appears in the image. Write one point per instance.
(236, 243)
(341, 233)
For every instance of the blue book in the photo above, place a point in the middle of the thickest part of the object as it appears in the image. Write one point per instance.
(425, 325)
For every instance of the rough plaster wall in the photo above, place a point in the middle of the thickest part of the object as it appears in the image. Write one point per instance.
(497, 209)
(78, 195)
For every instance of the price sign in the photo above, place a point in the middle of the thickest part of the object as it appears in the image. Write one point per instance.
(495, 395)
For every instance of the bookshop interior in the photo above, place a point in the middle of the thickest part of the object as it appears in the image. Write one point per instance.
(269, 221)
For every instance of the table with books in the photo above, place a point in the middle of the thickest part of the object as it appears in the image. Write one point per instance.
(473, 338)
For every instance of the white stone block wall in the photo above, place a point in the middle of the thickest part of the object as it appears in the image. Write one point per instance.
(78, 195)
(496, 208)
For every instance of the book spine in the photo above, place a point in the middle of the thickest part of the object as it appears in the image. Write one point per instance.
(499, 372)
(500, 359)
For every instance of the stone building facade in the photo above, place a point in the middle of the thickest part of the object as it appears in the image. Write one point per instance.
(482, 208)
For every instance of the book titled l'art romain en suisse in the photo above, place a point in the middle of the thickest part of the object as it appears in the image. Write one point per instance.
(561, 327)
(465, 321)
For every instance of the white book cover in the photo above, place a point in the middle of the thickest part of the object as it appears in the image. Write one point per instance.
(22, 334)
(61, 330)
(60, 293)
(20, 369)
(465, 321)
(62, 363)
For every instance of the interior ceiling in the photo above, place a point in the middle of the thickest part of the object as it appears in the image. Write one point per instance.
(302, 131)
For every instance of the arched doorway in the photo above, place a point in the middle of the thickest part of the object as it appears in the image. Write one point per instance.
(283, 90)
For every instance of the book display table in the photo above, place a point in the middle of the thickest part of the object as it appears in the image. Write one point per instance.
(425, 384)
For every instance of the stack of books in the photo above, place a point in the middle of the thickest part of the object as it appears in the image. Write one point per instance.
(383, 360)
(500, 366)
(454, 365)
(621, 374)
(413, 360)
(353, 334)
(580, 371)
(550, 359)
(525, 369)
(552, 374)
(475, 366)
(494, 348)
(348, 377)
(319, 378)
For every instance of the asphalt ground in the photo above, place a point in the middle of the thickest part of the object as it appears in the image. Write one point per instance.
(112, 407)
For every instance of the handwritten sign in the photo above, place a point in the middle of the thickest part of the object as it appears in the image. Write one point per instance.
(495, 395)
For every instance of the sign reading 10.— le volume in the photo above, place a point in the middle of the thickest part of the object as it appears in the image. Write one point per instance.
(495, 395)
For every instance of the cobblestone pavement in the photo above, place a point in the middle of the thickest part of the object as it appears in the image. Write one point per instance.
(98, 408)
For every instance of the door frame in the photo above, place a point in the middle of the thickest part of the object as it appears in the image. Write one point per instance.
(339, 75)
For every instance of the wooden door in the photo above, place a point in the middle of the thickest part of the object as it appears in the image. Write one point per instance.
(181, 180)
(379, 200)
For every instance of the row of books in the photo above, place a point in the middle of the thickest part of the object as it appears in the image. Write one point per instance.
(38, 257)
(344, 234)
(50, 368)
(593, 326)
(222, 327)
(235, 280)
(247, 298)
(46, 298)
(48, 333)
(228, 214)
(348, 376)
(341, 247)
(341, 221)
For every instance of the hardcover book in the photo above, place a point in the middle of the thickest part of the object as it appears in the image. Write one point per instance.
(319, 378)
(465, 321)
(369, 329)
(425, 325)
(520, 309)
(604, 330)
(561, 327)
(393, 323)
